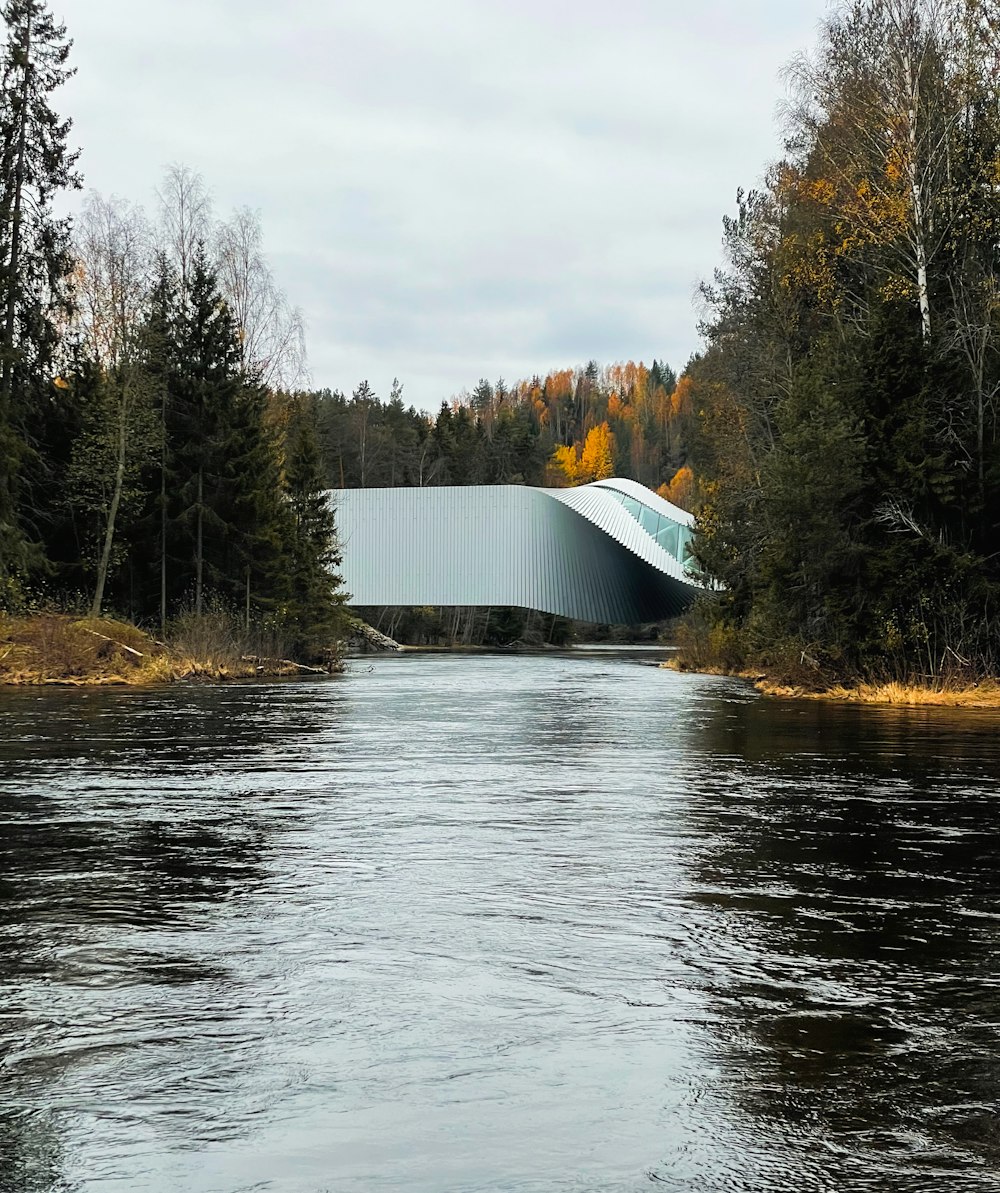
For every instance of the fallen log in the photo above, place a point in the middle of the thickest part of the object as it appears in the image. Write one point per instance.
(260, 660)
(114, 642)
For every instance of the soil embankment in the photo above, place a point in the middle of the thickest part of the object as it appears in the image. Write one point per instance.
(56, 648)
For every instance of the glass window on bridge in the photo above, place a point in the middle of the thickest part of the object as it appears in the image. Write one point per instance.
(670, 535)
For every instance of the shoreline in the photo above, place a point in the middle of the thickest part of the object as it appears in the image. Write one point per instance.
(60, 650)
(892, 693)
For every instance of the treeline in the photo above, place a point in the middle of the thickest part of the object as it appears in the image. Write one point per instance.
(571, 426)
(159, 454)
(140, 465)
(845, 409)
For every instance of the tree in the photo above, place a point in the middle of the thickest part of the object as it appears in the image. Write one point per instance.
(271, 339)
(204, 390)
(185, 221)
(843, 422)
(315, 605)
(120, 431)
(878, 107)
(35, 165)
(597, 460)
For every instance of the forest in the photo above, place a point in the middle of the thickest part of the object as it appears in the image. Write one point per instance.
(139, 469)
(163, 455)
(844, 435)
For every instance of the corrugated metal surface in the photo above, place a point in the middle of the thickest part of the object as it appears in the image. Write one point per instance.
(575, 552)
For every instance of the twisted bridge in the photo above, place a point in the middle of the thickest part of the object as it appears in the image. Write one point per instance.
(612, 552)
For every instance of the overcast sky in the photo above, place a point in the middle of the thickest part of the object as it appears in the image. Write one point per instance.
(451, 189)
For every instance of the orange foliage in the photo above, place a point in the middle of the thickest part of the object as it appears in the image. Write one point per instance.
(680, 399)
(559, 384)
(680, 491)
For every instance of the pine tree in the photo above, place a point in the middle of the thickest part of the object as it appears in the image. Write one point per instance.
(35, 164)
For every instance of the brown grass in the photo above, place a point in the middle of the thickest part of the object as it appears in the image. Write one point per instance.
(56, 648)
(680, 664)
(944, 694)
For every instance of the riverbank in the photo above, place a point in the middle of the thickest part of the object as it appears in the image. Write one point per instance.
(942, 693)
(60, 649)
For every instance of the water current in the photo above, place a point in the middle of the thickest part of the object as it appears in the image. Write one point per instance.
(558, 923)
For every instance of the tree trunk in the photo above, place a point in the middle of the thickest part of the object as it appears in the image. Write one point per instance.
(199, 544)
(163, 514)
(916, 196)
(109, 531)
(10, 314)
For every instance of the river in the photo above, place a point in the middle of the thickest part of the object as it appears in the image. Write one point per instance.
(496, 923)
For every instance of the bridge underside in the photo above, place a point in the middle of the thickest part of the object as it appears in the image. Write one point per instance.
(578, 553)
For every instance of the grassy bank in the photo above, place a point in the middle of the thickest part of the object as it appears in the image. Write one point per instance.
(942, 692)
(56, 648)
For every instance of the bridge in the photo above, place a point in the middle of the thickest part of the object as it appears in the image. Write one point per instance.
(612, 551)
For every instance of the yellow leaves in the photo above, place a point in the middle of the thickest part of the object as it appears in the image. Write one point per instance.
(595, 462)
(680, 491)
(60, 383)
(566, 464)
(897, 289)
(820, 191)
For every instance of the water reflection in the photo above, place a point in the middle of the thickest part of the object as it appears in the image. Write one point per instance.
(856, 875)
(495, 924)
(126, 824)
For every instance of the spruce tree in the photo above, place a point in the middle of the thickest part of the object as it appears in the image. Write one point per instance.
(252, 508)
(315, 608)
(203, 391)
(35, 164)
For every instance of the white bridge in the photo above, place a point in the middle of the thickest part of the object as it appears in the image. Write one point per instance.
(612, 552)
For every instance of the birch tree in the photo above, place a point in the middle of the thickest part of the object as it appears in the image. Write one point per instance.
(270, 330)
(185, 220)
(120, 426)
(876, 110)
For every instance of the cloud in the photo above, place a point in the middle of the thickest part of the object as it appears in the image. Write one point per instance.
(451, 189)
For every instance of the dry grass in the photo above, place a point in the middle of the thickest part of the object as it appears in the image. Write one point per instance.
(686, 668)
(54, 648)
(944, 694)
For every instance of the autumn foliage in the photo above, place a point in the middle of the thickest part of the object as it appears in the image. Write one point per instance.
(843, 421)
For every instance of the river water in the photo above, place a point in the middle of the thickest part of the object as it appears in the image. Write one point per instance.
(559, 923)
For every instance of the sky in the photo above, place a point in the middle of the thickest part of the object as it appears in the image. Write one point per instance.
(451, 189)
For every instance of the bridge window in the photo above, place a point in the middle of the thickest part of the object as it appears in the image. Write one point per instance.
(649, 520)
(670, 535)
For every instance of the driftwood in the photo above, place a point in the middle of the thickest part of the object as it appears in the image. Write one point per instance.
(114, 642)
(259, 660)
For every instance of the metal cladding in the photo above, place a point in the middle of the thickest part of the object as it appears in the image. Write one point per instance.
(608, 552)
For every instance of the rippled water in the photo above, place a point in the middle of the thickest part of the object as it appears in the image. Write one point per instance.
(496, 923)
